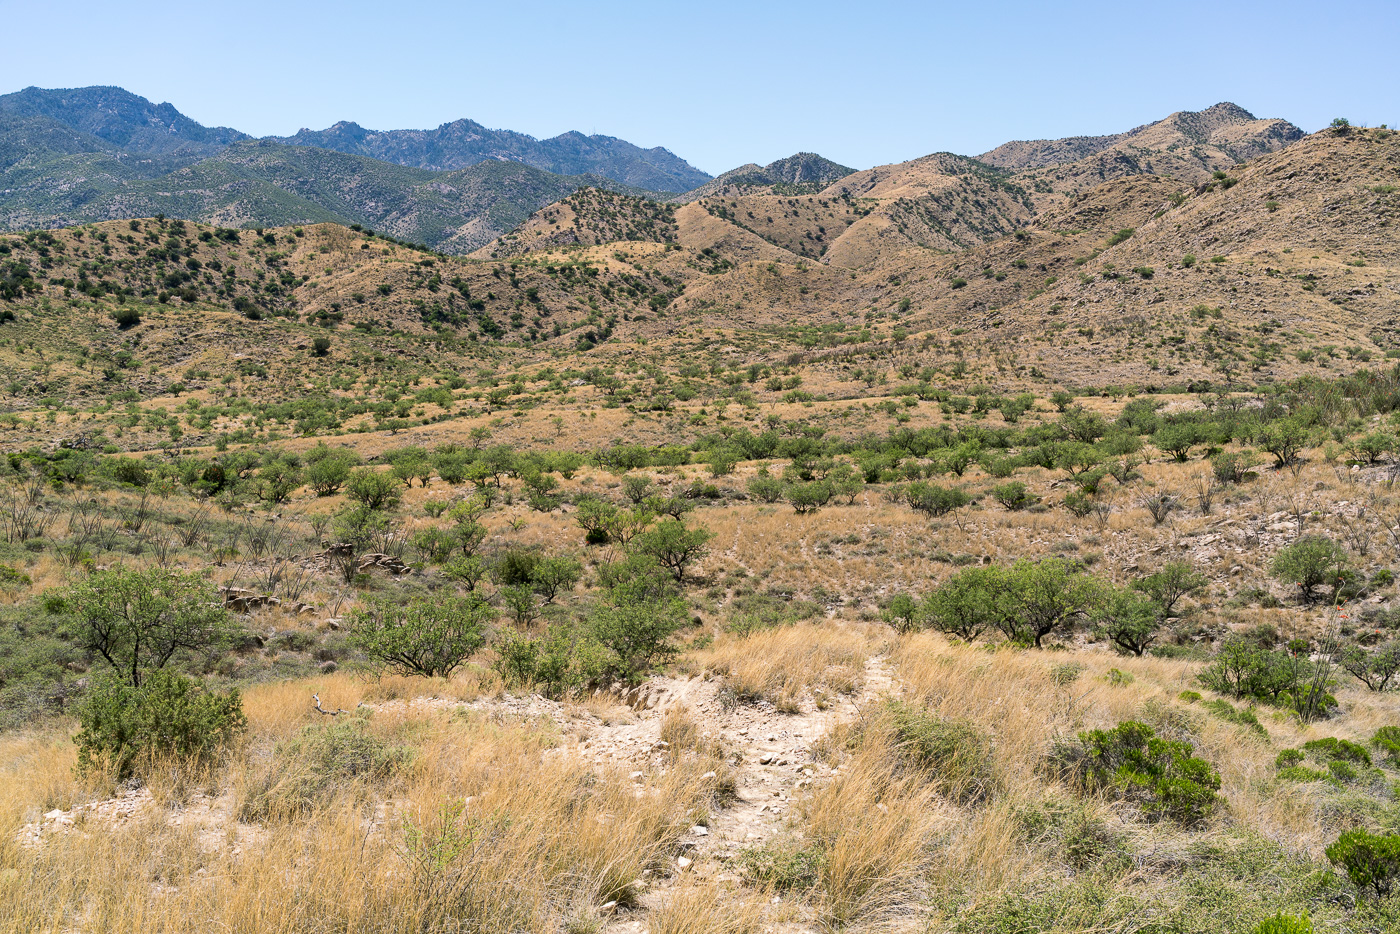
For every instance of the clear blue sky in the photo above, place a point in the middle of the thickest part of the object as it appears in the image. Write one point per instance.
(724, 83)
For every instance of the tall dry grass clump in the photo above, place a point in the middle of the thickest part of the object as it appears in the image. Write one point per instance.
(785, 663)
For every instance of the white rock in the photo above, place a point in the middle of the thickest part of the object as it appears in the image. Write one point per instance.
(684, 863)
(700, 831)
(708, 775)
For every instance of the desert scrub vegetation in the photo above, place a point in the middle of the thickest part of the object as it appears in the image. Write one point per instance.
(970, 590)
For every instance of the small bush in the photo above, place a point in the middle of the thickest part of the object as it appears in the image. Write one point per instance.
(1013, 496)
(1132, 762)
(124, 727)
(1227, 711)
(933, 500)
(1331, 748)
(1369, 859)
(1284, 924)
(1387, 739)
(1311, 561)
(372, 489)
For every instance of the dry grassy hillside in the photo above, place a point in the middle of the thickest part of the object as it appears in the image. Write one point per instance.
(1184, 145)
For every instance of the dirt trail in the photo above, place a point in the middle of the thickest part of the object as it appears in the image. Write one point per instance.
(774, 766)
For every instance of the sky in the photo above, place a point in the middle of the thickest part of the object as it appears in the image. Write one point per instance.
(724, 83)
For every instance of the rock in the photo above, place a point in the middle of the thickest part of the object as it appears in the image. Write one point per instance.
(766, 759)
(700, 831)
(636, 776)
(708, 775)
(684, 863)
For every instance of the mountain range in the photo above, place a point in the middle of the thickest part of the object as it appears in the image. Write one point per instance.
(87, 154)
(102, 153)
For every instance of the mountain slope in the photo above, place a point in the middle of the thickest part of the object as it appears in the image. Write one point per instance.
(256, 183)
(1187, 145)
(463, 143)
(800, 173)
(125, 120)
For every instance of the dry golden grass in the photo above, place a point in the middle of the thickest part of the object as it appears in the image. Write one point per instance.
(476, 826)
(786, 663)
(706, 909)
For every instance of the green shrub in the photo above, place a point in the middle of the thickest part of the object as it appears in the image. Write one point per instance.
(965, 604)
(1190, 697)
(1284, 924)
(138, 621)
(430, 637)
(902, 612)
(1079, 503)
(329, 472)
(125, 726)
(765, 487)
(564, 659)
(1309, 562)
(1330, 748)
(933, 500)
(1243, 668)
(1133, 763)
(673, 545)
(372, 489)
(808, 496)
(1013, 496)
(1167, 585)
(1301, 773)
(1227, 711)
(1387, 739)
(1130, 620)
(1369, 859)
(1232, 467)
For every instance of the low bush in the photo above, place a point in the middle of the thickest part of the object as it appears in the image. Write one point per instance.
(1387, 739)
(1013, 496)
(1134, 764)
(1370, 860)
(125, 727)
